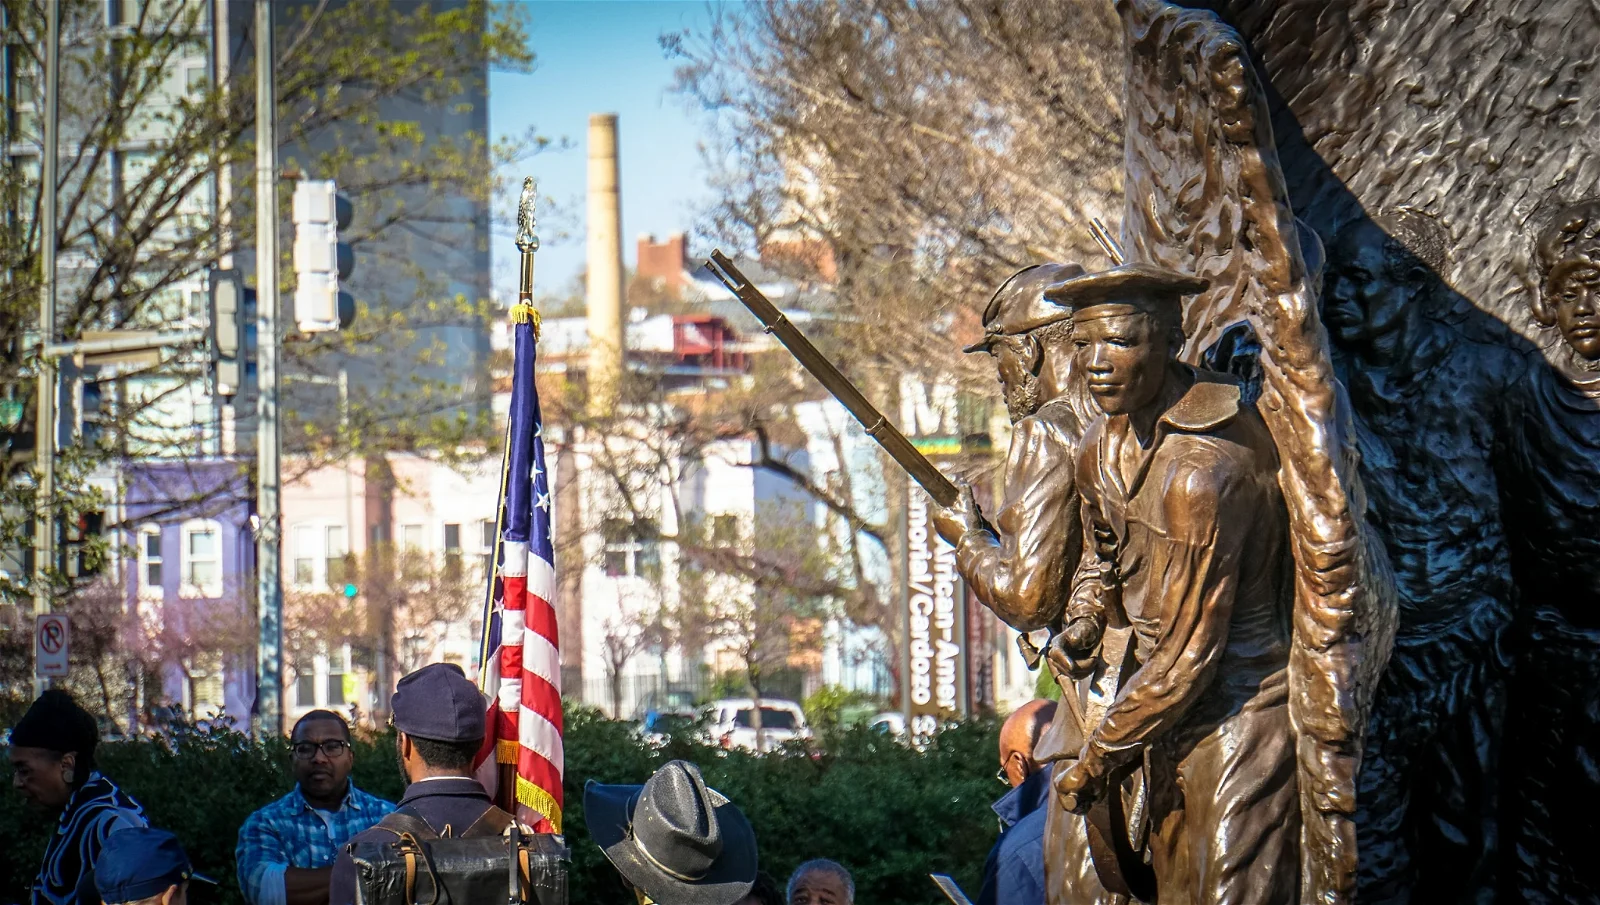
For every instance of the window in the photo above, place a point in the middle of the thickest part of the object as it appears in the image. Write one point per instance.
(336, 552)
(632, 548)
(209, 694)
(724, 530)
(305, 683)
(150, 576)
(305, 555)
(338, 666)
(126, 12)
(194, 78)
(411, 537)
(202, 559)
(486, 558)
(452, 552)
(771, 718)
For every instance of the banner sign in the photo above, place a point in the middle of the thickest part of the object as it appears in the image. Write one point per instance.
(935, 618)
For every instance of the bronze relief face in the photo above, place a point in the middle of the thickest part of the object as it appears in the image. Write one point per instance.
(1568, 251)
(1366, 297)
(1124, 357)
(1574, 289)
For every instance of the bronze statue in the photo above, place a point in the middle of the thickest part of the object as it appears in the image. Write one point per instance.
(1553, 517)
(1429, 796)
(1179, 484)
(1205, 194)
(1019, 567)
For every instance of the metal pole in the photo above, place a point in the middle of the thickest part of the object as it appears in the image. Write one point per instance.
(269, 655)
(349, 491)
(44, 529)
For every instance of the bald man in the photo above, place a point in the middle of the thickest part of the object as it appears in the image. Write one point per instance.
(1014, 873)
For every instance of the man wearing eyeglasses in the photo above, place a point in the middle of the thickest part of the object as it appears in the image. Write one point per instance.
(287, 849)
(1014, 872)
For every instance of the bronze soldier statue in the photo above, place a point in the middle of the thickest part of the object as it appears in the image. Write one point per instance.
(1429, 790)
(1020, 566)
(1180, 492)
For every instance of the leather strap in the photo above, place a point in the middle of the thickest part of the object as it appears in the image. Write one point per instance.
(406, 821)
(493, 822)
(411, 876)
(514, 894)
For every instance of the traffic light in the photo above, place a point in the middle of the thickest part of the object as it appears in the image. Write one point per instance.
(92, 411)
(84, 556)
(85, 408)
(228, 327)
(320, 259)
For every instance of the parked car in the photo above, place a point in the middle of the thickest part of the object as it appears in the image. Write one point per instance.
(732, 723)
(891, 723)
(658, 725)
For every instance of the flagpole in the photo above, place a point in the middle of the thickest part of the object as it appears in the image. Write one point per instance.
(522, 312)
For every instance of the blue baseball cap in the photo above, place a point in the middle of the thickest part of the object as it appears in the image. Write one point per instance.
(138, 863)
(440, 703)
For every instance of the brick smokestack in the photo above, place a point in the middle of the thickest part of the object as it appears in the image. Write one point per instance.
(605, 263)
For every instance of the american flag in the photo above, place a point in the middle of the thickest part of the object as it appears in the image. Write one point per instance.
(521, 669)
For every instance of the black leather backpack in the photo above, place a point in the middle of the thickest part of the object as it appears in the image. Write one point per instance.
(494, 862)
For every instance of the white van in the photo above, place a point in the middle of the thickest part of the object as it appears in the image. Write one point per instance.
(732, 723)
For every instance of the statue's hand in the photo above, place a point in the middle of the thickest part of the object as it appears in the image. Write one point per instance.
(954, 522)
(1072, 651)
(1080, 785)
(1082, 636)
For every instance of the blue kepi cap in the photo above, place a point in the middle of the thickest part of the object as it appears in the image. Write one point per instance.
(439, 702)
(139, 863)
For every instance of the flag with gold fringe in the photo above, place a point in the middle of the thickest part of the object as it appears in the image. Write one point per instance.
(521, 666)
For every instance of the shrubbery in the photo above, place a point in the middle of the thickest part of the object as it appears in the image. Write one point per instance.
(890, 814)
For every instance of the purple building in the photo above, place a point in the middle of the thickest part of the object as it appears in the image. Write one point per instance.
(191, 586)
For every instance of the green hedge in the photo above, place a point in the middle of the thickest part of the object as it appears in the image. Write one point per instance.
(890, 814)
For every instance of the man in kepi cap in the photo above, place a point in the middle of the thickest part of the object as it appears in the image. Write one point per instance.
(144, 866)
(1181, 480)
(675, 841)
(440, 718)
(1020, 565)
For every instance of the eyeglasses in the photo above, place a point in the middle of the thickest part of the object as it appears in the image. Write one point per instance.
(308, 750)
(1000, 774)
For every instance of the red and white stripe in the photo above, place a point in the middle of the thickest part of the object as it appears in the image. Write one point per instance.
(526, 717)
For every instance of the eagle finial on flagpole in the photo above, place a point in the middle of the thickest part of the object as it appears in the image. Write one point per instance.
(527, 244)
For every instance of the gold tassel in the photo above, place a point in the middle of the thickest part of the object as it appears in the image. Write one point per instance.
(523, 313)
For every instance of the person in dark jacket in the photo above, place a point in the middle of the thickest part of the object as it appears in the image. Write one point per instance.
(53, 768)
(1014, 872)
(440, 718)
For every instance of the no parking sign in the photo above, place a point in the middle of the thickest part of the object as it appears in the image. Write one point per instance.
(51, 642)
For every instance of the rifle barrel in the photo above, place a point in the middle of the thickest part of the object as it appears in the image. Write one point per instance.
(878, 427)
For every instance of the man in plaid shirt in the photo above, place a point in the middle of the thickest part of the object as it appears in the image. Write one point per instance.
(287, 849)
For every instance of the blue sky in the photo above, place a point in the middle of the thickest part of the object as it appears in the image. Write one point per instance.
(601, 56)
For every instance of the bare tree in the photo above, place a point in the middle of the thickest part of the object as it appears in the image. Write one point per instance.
(913, 154)
(624, 638)
(193, 635)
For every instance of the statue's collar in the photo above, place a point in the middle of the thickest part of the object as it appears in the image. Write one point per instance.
(1209, 403)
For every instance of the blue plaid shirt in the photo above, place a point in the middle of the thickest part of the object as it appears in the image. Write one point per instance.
(291, 833)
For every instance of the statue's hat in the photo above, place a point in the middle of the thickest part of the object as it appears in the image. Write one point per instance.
(1019, 305)
(1126, 289)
